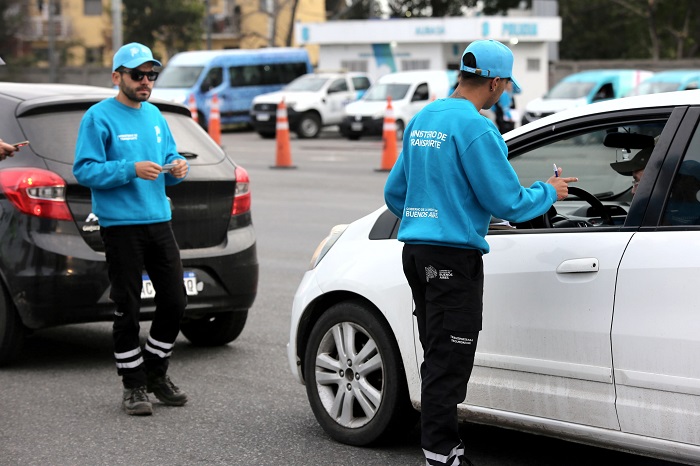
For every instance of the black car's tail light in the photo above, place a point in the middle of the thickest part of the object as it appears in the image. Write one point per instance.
(37, 192)
(241, 200)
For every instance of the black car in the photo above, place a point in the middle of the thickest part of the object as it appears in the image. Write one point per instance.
(52, 261)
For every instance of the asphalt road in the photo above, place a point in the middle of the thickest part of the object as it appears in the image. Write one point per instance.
(60, 404)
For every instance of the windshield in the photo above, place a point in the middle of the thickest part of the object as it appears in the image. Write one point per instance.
(306, 83)
(379, 92)
(174, 77)
(569, 90)
(655, 88)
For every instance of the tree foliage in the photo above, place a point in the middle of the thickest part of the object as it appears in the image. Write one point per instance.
(441, 8)
(12, 15)
(177, 24)
(629, 29)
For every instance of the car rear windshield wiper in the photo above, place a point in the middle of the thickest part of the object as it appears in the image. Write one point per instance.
(188, 155)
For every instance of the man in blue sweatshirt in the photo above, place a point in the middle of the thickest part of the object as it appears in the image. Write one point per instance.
(126, 155)
(451, 177)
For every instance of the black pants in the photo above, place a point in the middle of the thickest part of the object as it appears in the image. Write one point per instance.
(447, 286)
(129, 250)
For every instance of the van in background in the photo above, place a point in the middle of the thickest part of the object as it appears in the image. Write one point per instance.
(584, 88)
(668, 81)
(235, 76)
(410, 91)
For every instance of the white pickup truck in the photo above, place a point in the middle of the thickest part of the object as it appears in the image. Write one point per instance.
(313, 101)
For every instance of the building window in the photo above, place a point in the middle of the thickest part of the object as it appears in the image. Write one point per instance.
(408, 65)
(533, 64)
(267, 6)
(94, 55)
(92, 7)
(359, 66)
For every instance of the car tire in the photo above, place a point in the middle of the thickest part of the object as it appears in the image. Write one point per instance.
(357, 408)
(309, 126)
(400, 127)
(215, 329)
(267, 134)
(354, 137)
(12, 331)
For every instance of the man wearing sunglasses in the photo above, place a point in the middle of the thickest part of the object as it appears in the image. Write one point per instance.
(124, 145)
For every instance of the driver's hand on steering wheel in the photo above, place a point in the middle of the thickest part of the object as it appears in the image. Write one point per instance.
(561, 184)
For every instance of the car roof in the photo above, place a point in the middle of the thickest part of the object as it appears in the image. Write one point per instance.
(33, 96)
(662, 100)
(674, 75)
(413, 76)
(29, 91)
(202, 57)
(594, 75)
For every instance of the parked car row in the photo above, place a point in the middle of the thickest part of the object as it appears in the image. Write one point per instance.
(347, 100)
(591, 86)
(313, 101)
(591, 320)
(52, 261)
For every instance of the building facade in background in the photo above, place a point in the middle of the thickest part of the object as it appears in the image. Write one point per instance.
(390, 45)
(82, 29)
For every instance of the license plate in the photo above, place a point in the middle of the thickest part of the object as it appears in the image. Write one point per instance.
(262, 116)
(356, 126)
(189, 279)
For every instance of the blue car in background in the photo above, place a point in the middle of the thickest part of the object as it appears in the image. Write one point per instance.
(668, 81)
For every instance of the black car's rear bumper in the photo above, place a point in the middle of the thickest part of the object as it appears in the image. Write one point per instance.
(55, 278)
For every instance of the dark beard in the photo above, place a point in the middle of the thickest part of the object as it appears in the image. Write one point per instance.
(132, 95)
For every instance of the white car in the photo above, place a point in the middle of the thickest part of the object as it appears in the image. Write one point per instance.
(313, 101)
(591, 315)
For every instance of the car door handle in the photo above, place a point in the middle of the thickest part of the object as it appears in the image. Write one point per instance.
(584, 265)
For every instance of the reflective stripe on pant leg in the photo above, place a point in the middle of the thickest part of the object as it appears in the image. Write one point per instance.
(453, 458)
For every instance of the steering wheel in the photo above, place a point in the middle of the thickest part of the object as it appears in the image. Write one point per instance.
(582, 194)
(594, 202)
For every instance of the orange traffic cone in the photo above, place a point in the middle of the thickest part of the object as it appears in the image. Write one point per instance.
(215, 120)
(389, 154)
(284, 152)
(192, 104)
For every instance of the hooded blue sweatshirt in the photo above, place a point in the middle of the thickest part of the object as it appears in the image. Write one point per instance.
(453, 174)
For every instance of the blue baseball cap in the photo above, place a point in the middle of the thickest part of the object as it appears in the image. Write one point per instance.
(132, 56)
(493, 60)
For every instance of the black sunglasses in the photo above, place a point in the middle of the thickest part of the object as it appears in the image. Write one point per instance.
(137, 75)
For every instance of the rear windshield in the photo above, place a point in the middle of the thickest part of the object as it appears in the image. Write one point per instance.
(177, 77)
(54, 134)
(656, 87)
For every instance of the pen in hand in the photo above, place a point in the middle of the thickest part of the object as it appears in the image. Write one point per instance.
(556, 170)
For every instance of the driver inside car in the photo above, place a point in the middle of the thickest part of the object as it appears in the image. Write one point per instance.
(634, 167)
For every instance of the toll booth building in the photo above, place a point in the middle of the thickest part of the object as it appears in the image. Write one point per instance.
(382, 46)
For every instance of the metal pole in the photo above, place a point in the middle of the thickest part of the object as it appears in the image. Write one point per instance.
(208, 25)
(117, 39)
(52, 44)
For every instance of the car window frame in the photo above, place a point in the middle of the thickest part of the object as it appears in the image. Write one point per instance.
(649, 188)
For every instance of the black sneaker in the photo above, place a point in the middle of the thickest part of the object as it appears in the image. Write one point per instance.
(166, 391)
(135, 402)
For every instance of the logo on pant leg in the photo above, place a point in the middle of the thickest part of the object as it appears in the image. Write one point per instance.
(461, 340)
(430, 272)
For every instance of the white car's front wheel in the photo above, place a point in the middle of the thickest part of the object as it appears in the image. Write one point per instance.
(354, 376)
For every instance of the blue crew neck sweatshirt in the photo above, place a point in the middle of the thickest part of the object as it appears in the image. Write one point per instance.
(453, 174)
(111, 139)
